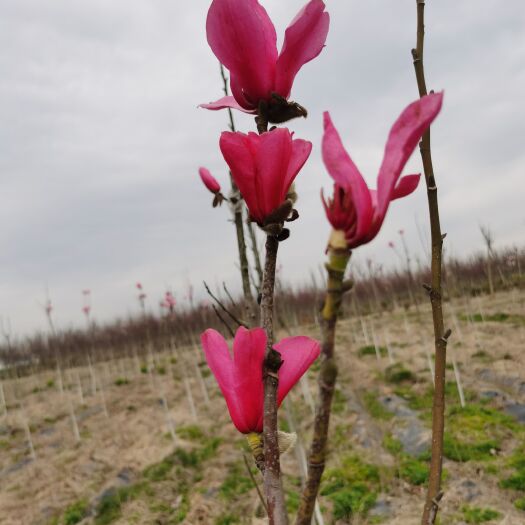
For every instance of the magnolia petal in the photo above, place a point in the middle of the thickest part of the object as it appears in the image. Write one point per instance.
(297, 353)
(221, 364)
(301, 150)
(403, 138)
(238, 155)
(226, 102)
(304, 39)
(272, 157)
(405, 186)
(249, 347)
(243, 38)
(345, 173)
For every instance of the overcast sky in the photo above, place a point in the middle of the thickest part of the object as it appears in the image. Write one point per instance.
(101, 139)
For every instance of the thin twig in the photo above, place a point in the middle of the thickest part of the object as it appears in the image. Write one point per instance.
(223, 321)
(225, 288)
(255, 484)
(219, 303)
(434, 291)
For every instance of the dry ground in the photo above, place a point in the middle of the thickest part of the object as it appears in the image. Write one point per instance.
(145, 455)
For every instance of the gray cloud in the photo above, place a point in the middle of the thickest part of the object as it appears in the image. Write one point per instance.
(101, 139)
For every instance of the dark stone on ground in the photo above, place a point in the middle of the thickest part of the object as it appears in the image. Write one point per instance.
(409, 430)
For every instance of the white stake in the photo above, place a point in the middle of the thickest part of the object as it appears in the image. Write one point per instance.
(201, 380)
(307, 394)
(92, 376)
(79, 386)
(3, 403)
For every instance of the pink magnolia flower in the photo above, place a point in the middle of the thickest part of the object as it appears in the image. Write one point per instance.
(139, 286)
(240, 378)
(356, 209)
(264, 167)
(391, 244)
(209, 180)
(86, 309)
(242, 36)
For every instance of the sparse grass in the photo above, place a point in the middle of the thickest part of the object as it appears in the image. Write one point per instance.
(227, 519)
(339, 402)
(375, 408)
(371, 350)
(498, 317)
(520, 504)
(76, 512)
(191, 432)
(397, 373)
(476, 432)
(482, 356)
(413, 470)
(121, 381)
(352, 488)
(516, 481)
(479, 515)
(235, 483)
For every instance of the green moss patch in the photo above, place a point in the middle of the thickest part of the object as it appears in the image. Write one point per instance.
(352, 488)
(479, 515)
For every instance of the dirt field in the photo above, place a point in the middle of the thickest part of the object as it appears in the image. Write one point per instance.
(144, 451)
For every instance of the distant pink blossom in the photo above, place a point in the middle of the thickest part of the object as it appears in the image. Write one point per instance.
(391, 244)
(356, 209)
(243, 38)
(139, 286)
(169, 298)
(86, 309)
(264, 167)
(48, 307)
(240, 376)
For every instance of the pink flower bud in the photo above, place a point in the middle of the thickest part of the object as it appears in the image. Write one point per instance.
(209, 180)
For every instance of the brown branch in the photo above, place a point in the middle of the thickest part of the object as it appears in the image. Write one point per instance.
(255, 252)
(272, 470)
(435, 292)
(338, 257)
(239, 228)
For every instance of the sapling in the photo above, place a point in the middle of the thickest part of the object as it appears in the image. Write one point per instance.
(356, 215)
(263, 167)
(435, 290)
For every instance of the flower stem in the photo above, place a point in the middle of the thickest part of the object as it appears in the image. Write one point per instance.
(434, 493)
(272, 470)
(338, 258)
